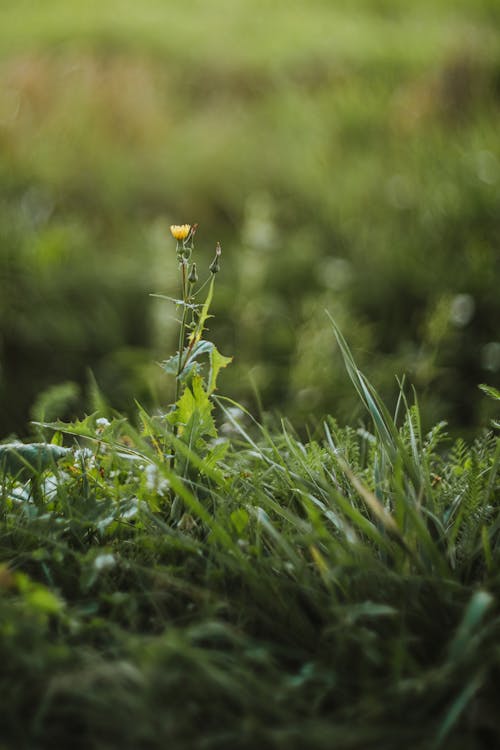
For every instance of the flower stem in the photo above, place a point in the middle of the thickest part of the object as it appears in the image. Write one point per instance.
(182, 332)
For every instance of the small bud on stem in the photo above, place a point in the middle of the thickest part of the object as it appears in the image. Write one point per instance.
(215, 265)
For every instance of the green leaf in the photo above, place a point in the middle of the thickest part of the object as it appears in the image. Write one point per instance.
(240, 519)
(193, 415)
(171, 367)
(202, 347)
(44, 601)
(475, 612)
(217, 453)
(490, 391)
(456, 709)
(37, 596)
(79, 427)
(217, 362)
(31, 458)
(204, 313)
(368, 609)
(189, 357)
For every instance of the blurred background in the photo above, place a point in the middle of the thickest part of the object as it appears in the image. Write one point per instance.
(345, 154)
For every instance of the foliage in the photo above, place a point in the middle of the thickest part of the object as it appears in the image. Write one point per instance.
(340, 591)
(193, 577)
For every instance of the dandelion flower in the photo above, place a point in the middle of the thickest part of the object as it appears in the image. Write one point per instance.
(180, 231)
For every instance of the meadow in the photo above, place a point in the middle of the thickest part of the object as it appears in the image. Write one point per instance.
(346, 158)
(220, 585)
(249, 464)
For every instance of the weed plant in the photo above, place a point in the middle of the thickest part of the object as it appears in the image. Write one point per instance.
(202, 580)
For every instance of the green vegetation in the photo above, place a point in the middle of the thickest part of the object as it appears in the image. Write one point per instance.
(346, 158)
(175, 571)
(337, 592)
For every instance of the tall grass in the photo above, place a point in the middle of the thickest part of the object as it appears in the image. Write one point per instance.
(339, 591)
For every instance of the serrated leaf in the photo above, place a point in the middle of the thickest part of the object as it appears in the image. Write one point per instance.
(194, 414)
(202, 347)
(190, 356)
(204, 313)
(171, 365)
(79, 427)
(216, 453)
(217, 362)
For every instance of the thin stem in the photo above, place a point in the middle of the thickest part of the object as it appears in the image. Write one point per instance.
(182, 332)
(182, 335)
(201, 288)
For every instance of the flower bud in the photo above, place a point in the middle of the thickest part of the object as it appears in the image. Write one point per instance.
(180, 231)
(193, 275)
(215, 265)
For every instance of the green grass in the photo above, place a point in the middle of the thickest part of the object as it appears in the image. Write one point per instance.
(299, 582)
(339, 591)
(252, 35)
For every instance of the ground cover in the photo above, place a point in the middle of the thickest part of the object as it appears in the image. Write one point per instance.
(260, 590)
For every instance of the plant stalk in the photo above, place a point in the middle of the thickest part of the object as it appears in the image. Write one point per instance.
(182, 332)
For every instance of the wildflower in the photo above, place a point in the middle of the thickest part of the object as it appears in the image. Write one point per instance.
(102, 562)
(154, 482)
(180, 231)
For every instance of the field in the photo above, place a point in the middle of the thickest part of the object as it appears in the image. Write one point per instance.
(231, 586)
(249, 491)
(346, 159)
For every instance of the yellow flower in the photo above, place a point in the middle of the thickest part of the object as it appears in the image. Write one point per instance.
(180, 232)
